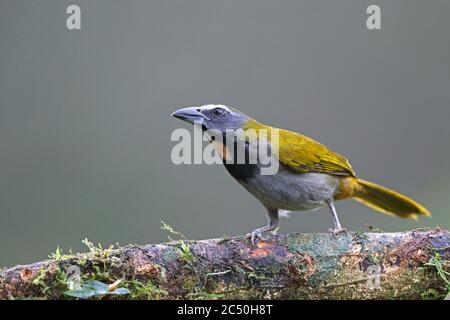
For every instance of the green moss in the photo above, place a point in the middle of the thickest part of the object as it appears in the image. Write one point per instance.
(39, 281)
(186, 254)
(189, 283)
(98, 251)
(145, 290)
(58, 255)
(441, 267)
(49, 282)
(171, 231)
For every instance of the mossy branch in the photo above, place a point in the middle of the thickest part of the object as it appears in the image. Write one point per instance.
(405, 265)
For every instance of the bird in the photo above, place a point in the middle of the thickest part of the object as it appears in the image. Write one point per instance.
(309, 175)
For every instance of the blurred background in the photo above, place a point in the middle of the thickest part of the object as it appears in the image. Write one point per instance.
(85, 115)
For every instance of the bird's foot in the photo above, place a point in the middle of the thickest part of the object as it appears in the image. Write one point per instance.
(337, 231)
(253, 236)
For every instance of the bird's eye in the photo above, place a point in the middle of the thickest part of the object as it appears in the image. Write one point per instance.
(218, 112)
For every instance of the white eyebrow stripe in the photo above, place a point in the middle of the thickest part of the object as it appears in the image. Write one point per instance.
(213, 106)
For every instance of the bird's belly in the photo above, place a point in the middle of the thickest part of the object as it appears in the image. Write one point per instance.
(292, 191)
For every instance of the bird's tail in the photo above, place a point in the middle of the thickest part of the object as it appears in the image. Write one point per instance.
(388, 201)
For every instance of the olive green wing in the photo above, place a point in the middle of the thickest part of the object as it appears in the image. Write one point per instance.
(303, 154)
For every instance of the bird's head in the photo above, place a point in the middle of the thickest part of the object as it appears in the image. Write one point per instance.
(213, 117)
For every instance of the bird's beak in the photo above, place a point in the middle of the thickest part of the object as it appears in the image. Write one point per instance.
(191, 115)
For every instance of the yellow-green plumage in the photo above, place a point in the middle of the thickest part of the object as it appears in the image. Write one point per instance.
(303, 154)
(388, 201)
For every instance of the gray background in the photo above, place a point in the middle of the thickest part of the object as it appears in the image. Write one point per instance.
(85, 115)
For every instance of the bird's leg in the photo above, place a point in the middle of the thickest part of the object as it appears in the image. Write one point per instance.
(273, 223)
(337, 225)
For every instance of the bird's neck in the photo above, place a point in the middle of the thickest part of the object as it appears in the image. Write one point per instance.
(255, 125)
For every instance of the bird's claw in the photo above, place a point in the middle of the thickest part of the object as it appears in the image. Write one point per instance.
(253, 236)
(337, 231)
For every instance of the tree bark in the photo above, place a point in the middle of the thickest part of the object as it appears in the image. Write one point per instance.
(297, 266)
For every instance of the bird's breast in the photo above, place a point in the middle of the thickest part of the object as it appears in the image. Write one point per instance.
(287, 190)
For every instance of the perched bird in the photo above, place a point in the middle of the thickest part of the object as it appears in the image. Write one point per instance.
(309, 174)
